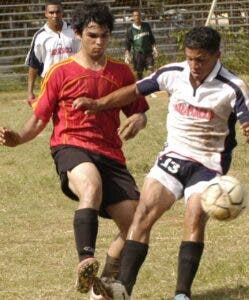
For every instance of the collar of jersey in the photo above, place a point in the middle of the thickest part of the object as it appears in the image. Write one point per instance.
(136, 26)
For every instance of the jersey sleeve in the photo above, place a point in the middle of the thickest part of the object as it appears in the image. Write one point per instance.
(138, 106)
(34, 57)
(149, 84)
(152, 37)
(46, 102)
(161, 80)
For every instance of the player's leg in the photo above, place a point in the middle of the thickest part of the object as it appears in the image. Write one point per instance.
(154, 201)
(192, 246)
(81, 181)
(85, 182)
(149, 63)
(122, 214)
(112, 260)
(159, 192)
(139, 64)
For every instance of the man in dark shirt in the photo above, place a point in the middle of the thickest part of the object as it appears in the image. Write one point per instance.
(141, 40)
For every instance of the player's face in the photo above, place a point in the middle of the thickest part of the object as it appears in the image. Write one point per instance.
(95, 40)
(201, 63)
(54, 15)
(136, 16)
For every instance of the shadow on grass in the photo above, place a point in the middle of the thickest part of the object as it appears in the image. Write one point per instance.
(238, 293)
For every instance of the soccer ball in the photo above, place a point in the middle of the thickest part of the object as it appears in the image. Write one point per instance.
(224, 198)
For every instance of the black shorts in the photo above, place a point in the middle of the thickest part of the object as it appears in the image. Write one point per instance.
(143, 61)
(117, 182)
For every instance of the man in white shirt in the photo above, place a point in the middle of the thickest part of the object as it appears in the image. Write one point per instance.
(205, 101)
(51, 43)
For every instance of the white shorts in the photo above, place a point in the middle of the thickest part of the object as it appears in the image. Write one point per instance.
(182, 177)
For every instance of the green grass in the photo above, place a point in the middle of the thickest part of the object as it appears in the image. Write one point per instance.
(38, 256)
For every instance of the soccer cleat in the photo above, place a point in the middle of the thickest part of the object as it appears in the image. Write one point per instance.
(100, 290)
(94, 296)
(87, 270)
(181, 297)
(119, 291)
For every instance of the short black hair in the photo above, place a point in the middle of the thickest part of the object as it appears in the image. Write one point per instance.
(203, 37)
(91, 12)
(53, 2)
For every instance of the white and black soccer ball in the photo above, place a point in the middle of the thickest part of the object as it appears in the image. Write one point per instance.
(224, 198)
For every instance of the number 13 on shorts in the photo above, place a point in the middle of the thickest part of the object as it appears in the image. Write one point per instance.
(168, 164)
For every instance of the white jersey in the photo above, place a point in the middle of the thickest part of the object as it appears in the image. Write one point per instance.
(49, 47)
(200, 122)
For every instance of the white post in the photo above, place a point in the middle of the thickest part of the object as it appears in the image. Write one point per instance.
(210, 12)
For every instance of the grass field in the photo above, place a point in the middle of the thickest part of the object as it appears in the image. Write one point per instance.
(38, 256)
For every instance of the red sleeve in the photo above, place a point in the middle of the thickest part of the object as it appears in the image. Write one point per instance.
(140, 105)
(47, 100)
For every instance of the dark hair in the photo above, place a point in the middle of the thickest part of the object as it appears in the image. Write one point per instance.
(203, 38)
(53, 2)
(91, 12)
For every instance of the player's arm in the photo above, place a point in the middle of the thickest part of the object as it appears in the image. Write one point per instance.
(31, 82)
(132, 125)
(118, 98)
(30, 130)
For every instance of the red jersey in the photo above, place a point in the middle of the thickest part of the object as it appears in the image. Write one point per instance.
(67, 81)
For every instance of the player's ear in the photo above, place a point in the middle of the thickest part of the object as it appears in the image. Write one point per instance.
(78, 35)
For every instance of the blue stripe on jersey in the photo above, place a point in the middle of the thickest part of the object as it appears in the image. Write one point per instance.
(230, 144)
(240, 108)
(150, 84)
(33, 61)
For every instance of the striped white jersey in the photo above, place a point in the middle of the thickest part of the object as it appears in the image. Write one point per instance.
(200, 122)
(49, 47)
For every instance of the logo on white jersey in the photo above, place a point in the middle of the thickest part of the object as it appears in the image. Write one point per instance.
(61, 50)
(193, 111)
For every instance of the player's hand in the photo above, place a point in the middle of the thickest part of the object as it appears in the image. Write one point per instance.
(127, 58)
(132, 126)
(86, 103)
(31, 99)
(8, 137)
(155, 52)
(245, 130)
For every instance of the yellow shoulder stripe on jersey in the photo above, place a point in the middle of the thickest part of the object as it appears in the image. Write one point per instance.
(47, 76)
(54, 67)
(117, 61)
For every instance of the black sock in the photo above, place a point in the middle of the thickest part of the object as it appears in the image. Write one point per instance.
(85, 231)
(111, 268)
(188, 262)
(132, 258)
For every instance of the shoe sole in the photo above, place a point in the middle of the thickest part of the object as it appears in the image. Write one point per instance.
(86, 275)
